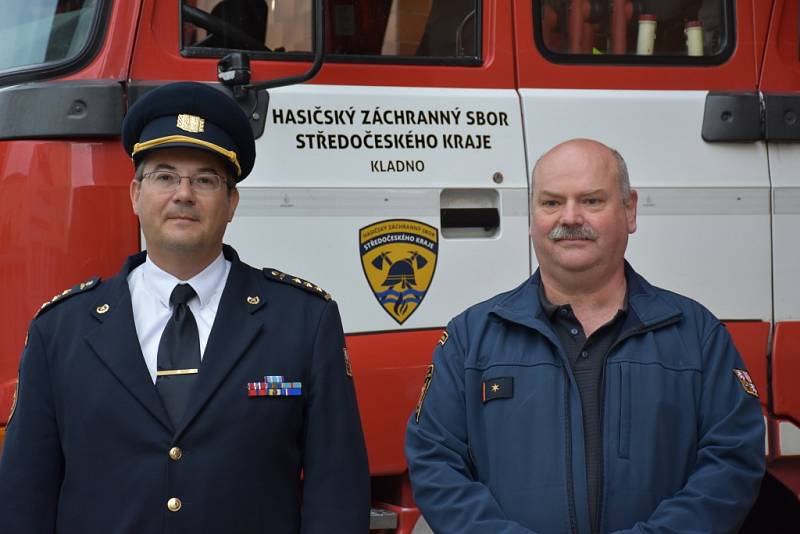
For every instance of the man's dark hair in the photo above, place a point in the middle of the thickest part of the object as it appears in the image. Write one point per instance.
(138, 175)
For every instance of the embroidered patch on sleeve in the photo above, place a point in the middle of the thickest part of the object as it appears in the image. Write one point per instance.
(348, 369)
(443, 339)
(746, 382)
(425, 386)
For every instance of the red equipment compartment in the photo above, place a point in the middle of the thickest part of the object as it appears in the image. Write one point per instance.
(785, 370)
(752, 340)
(65, 215)
(736, 74)
(388, 370)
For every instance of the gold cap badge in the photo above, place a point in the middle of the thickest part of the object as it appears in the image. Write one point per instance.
(191, 123)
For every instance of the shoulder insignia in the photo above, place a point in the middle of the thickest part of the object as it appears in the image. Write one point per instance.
(278, 276)
(443, 339)
(423, 392)
(746, 382)
(64, 295)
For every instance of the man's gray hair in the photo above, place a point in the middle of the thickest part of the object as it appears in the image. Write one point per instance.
(139, 174)
(622, 173)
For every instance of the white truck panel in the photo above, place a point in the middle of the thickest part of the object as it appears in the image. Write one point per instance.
(302, 208)
(704, 228)
(784, 163)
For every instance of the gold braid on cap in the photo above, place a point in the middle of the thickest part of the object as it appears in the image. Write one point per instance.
(228, 154)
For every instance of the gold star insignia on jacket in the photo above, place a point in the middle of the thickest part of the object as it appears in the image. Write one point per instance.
(274, 274)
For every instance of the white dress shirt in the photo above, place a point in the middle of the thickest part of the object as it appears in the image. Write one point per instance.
(150, 289)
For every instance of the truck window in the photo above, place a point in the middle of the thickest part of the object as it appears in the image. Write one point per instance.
(641, 31)
(40, 32)
(416, 31)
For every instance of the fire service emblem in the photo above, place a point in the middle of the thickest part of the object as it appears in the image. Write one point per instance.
(399, 258)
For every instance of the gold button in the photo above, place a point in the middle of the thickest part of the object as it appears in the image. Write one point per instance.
(174, 504)
(175, 453)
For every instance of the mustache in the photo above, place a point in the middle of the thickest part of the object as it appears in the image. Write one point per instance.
(189, 214)
(562, 232)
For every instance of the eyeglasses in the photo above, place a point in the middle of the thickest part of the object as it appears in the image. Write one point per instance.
(204, 182)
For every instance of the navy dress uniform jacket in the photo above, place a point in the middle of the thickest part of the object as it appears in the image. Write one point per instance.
(87, 450)
(497, 443)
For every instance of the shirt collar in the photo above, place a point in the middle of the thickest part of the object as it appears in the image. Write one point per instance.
(550, 309)
(205, 283)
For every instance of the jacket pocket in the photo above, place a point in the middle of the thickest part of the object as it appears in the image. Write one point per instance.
(624, 411)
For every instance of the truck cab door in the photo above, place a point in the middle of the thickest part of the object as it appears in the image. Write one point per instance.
(671, 86)
(780, 86)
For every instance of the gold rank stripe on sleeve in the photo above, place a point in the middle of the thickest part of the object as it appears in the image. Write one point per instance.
(278, 276)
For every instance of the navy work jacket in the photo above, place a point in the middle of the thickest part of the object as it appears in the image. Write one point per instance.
(498, 443)
(87, 450)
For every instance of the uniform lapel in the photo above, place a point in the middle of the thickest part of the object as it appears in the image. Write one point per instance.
(115, 342)
(233, 332)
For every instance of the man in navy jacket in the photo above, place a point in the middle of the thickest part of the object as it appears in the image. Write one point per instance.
(191, 392)
(585, 400)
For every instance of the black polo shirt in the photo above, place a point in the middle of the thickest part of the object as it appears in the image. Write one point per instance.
(587, 357)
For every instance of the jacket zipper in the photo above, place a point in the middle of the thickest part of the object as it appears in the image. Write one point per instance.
(573, 520)
(630, 334)
(568, 454)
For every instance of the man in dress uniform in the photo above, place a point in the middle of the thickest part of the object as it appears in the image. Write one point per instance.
(585, 400)
(191, 392)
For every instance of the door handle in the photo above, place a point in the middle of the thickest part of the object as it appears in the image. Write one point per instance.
(486, 218)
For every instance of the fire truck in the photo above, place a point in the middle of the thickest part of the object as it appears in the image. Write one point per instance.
(396, 176)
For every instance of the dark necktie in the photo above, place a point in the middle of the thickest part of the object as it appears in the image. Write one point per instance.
(178, 354)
